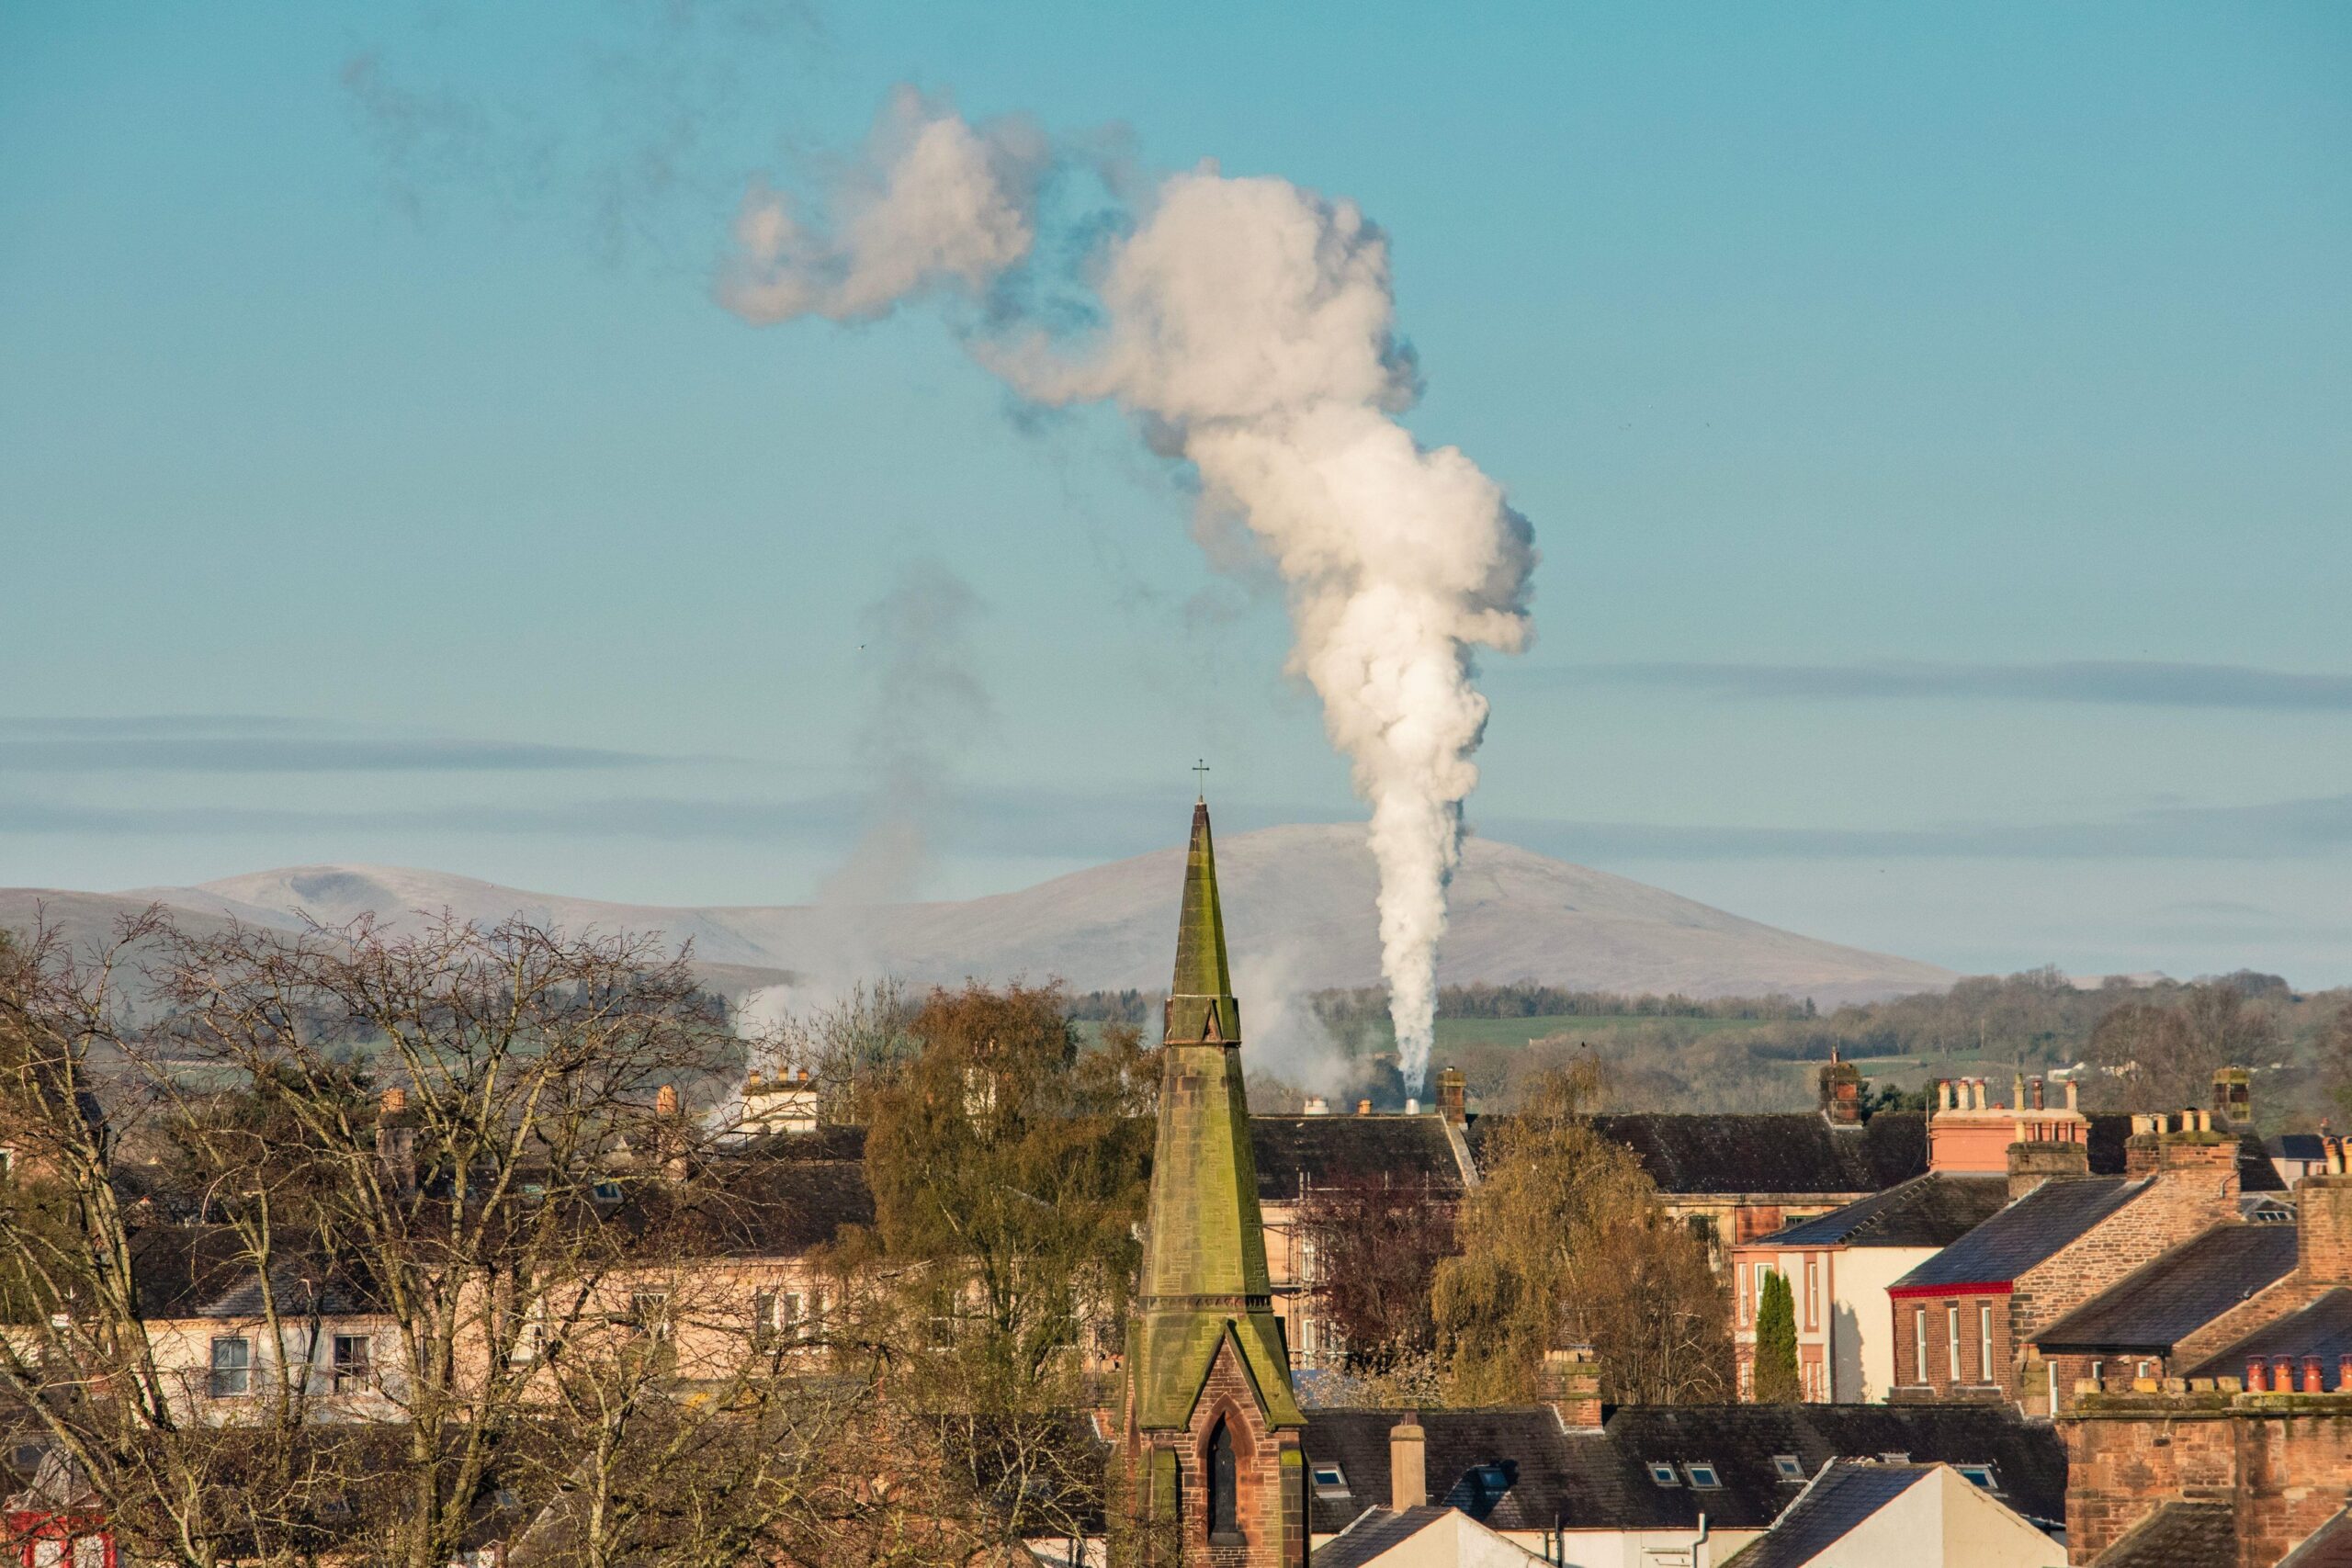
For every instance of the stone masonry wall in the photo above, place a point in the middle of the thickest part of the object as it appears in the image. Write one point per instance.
(1270, 1473)
(2282, 1462)
(2184, 1200)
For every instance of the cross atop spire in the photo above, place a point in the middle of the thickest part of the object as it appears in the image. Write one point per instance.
(1200, 777)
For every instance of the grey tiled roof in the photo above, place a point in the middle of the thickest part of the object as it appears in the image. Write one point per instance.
(2322, 1329)
(1376, 1531)
(1935, 1210)
(1516, 1469)
(2178, 1535)
(1841, 1498)
(2160, 1304)
(2026, 1232)
(1295, 1154)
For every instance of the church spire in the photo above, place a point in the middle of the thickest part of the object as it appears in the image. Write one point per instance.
(1206, 1354)
(1200, 998)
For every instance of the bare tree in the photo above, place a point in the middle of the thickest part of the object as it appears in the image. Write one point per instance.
(475, 1137)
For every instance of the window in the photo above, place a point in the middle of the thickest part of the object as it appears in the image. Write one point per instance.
(776, 1315)
(1664, 1475)
(232, 1366)
(1702, 1476)
(1985, 1341)
(1981, 1474)
(2098, 1371)
(1891, 1457)
(1951, 1341)
(1493, 1479)
(1306, 1275)
(1812, 1293)
(1919, 1346)
(1330, 1481)
(354, 1370)
(1224, 1509)
(605, 1192)
(1786, 1467)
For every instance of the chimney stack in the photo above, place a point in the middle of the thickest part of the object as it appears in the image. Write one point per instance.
(1317, 1106)
(1571, 1386)
(1452, 1096)
(2323, 1225)
(396, 1141)
(1841, 1093)
(2234, 1098)
(1364, 1108)
(1408, 1480)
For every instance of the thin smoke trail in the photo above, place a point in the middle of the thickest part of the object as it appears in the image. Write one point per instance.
(1247, 325)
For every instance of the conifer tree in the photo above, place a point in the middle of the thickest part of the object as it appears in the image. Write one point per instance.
(1776, 1343)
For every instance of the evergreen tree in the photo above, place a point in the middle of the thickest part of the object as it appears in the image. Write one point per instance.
(1776, 1343)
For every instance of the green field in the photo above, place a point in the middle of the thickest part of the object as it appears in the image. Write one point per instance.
(1520, 1030)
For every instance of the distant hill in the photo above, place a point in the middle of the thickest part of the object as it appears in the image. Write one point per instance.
(1298, 901)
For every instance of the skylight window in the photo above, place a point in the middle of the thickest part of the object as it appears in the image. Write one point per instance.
(606, 1191)
(1702, 1476)
(1330, 1481)
(1788, 1467)
(1664, 1475)
(1493, 1478)
(1981, 1474)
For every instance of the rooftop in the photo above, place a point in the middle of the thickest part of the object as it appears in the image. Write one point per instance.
(1844, 1493)
(1785, 1153)
(1518, 1469)
(2025, 1233)
(1934, 1210)
(2322, 1329)
(2178, 1535)
(2161, 1303)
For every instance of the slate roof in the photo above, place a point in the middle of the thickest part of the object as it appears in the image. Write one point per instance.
(2330, 1546)
(1840, 1497)
(2025, 1233)
(1376, 1531)
(1468, 1453)
(2178, 1535)
(1296, 1153)
(1934, 1210)
(186, 1272)
(1551, 1478)
(2322, 1329)
(1790, 1151)
(2160, 1304)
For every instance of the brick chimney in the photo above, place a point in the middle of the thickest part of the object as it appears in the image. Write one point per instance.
(2323, 1229)
(1452, 1096)
(2233, 1099)
(1570, 1384)
(2033, 1161)
(1841, 1092)
(1408, 1464)
(670, 1132)
(396, 1141)
(2181, 1143)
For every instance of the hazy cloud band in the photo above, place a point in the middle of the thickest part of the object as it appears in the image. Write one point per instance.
(2127, 682)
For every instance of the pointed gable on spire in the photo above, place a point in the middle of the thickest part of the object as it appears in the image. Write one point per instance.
(1200, 997)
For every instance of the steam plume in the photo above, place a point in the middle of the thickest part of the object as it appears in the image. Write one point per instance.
(1247, 326)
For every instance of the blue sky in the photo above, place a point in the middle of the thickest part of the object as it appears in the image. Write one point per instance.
(1936, 425)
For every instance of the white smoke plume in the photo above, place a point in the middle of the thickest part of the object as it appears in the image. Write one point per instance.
(926, 705)
(1247, 326)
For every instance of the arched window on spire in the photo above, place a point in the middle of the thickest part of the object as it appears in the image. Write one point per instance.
(1225, 1513)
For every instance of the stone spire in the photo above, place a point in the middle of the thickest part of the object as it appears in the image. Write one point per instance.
(1206, 1352)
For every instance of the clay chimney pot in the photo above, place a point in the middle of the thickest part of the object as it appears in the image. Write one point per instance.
(2313, 1367)
(2256, 1375)
(665, 1100)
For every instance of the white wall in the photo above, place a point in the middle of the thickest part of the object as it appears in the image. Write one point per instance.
(1862, 1373)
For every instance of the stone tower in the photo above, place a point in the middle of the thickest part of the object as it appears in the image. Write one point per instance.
(1212, 1426)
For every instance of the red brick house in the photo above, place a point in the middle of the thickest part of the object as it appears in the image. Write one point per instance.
(1961, 1317)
